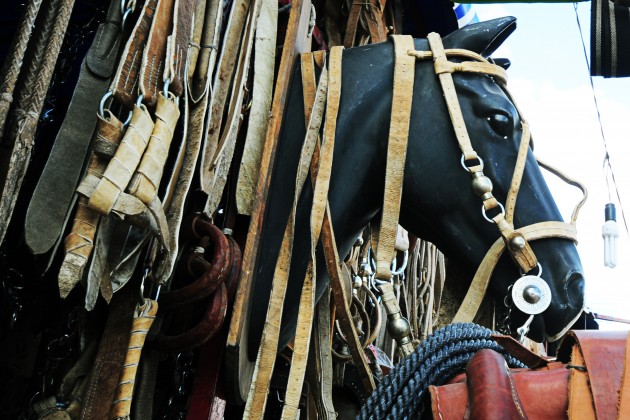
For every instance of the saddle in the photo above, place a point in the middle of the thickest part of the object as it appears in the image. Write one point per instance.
(588, 379)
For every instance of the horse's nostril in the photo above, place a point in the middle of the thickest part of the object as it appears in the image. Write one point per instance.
(575, 289)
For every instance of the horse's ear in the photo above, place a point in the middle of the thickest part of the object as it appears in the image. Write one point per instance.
(483, 37)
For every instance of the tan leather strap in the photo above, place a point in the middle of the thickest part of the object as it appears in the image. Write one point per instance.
(80, 241)
(237, 384)
(144, 316)
(221, 88)
(450, 94)
(580, 398)
(265, 360)
(154, 52)
(124, 84)
(519, 169)
(333, 262)
(262, 92)
(307, 298)
(319, 368)
(220, 165)
(122, 166)
(390, 301)
(146, 179)
(476, 292)
(396, 153)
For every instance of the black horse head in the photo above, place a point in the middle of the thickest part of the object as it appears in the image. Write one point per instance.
(438, 203)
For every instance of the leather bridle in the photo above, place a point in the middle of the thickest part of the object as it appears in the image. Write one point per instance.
(516, 241)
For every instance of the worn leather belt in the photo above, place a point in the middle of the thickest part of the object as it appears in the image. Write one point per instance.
(80, 241)
(264, 66)
(219, 149)
(52, 198)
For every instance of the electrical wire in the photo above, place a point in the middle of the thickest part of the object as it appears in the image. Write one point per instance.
(606, 164)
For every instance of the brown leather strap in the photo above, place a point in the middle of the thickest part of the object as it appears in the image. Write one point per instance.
(80, 241)
(491, 388)
(178, 45)
(124, 84)
(154, 53)
(103, 378)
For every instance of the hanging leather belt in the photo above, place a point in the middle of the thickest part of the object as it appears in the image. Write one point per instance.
(52, 198)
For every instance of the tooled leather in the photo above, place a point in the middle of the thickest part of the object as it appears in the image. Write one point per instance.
(125, 83)
(491, 389)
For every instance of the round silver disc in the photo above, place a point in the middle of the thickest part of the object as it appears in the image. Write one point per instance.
(531, 294)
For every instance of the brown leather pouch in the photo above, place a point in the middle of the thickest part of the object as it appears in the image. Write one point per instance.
(585, 382)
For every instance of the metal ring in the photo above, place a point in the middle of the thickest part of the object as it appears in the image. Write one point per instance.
(403, 266)
(139, 100)
(123, 21)
(540, 270)
(167, 82)
(128, 120)
(101, 106)
(463, 162)
(483, 212)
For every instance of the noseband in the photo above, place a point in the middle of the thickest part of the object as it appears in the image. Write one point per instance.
(516, 241)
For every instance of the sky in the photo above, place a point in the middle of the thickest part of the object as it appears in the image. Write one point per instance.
(549, 79)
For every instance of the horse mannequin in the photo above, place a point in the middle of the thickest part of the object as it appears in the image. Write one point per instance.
(437, 202)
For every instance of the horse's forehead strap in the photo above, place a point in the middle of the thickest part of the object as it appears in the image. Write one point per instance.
(480, 65)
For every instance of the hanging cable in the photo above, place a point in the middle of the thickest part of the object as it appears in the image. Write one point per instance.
(607, 166)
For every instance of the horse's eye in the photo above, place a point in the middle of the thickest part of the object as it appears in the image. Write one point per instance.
(500, 124)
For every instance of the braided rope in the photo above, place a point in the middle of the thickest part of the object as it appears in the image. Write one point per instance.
(12, 65)
(435, 360)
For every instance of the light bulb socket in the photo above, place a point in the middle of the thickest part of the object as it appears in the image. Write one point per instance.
(610, 213)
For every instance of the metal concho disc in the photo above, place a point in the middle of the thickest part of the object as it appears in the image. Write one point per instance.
(542, 293)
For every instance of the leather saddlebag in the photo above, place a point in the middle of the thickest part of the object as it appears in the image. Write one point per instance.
(590, 379)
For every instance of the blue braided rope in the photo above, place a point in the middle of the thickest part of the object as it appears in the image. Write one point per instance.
(442, 355)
